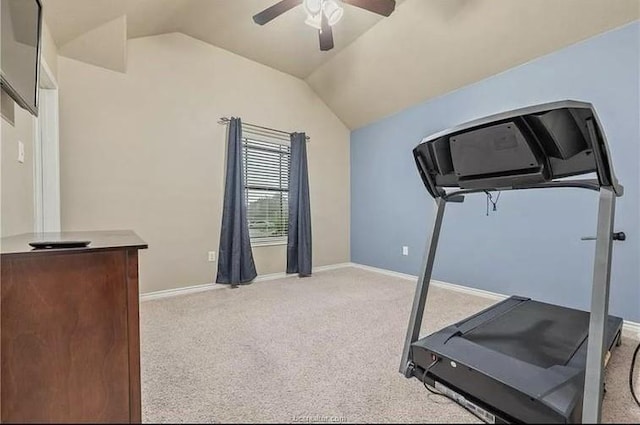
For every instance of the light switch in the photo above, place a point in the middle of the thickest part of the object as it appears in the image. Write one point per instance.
(405, 250)
(20, 152)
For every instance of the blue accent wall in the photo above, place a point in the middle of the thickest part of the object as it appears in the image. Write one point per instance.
(531, 246)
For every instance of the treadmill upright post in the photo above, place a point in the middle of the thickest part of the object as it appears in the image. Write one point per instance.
(592, 401)
(422, 288)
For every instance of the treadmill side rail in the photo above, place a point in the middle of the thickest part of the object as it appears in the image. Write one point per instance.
(422, 288)
(592, 402)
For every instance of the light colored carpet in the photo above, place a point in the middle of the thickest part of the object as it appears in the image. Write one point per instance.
(320, 349)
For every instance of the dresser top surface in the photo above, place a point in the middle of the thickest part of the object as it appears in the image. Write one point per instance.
(100, 240)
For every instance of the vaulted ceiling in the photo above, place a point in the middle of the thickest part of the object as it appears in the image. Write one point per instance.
(378, 66)
(430, 47)
(286, 43)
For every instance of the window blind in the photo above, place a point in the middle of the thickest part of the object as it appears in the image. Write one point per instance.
(266, 168)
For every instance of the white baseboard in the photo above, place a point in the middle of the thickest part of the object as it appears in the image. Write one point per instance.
(629, 328)
(438, 283)
(273, 276)
(332, 267)
(155, 295)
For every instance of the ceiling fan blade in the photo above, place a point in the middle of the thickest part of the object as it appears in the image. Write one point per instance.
(381, 7)
(274, 11)
(326, 34)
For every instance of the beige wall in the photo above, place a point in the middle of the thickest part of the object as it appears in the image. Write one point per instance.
(143, 151)
(17, 193)
(105, 46)
(16, 196)
(49, 50)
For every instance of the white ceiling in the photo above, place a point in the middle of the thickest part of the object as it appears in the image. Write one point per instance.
(424, 49)
(286, 43)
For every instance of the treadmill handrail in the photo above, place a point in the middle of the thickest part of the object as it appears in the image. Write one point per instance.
(438, 147)
(509, 114)
(591, 184)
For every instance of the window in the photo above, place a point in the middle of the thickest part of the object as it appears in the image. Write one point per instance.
(266, 168)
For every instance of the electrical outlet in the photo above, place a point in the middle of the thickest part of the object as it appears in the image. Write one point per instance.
(212, 256)
(405, 250)
(20, 152)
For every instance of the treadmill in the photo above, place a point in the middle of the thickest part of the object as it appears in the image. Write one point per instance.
(520, 360)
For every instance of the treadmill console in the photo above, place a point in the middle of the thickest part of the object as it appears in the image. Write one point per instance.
(517, 149)
(489, 155)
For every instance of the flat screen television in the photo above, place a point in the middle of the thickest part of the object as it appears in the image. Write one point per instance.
(20, 29)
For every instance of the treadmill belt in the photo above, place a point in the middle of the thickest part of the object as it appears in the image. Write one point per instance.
(538, 333)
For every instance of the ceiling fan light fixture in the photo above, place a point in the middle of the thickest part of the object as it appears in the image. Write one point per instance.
(312, 7)
(323, 14)
(314, 21)
(333, 11)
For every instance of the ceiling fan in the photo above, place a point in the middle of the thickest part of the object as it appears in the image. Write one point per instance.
(323, 14)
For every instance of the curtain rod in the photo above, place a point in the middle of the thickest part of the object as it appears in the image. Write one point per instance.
(225, 121)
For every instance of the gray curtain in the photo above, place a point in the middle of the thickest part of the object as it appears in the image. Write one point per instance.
(299, 231)
(235, 260)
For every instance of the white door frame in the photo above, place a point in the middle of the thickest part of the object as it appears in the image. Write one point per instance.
(46, 155)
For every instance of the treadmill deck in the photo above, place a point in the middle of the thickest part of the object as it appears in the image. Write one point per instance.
(548, 335)
(520, 359)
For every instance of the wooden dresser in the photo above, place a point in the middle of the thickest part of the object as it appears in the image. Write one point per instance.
(70, 329)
